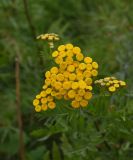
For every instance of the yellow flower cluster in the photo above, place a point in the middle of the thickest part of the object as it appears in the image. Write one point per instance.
(71, 80)
(111, 83)
(50, 37)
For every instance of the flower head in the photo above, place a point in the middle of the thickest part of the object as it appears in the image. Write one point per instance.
(71, 79)
(111, 83)
(50, 38)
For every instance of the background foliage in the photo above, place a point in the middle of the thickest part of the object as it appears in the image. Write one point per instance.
(104, 30)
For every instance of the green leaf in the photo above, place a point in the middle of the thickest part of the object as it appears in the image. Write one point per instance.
(55, 152)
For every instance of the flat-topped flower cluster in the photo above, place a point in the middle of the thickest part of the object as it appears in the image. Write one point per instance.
(50, 38)
(70, 79)
(111, 83)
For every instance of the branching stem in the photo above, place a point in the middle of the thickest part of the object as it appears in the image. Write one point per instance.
(19, 114)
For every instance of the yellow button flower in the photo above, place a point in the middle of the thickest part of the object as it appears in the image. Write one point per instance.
(69, 46)
(44, 107)
(53, 82)
(116, 85)
(95, 65)
(71, 68)
(43, 94)
(83, 103)
(61, 70)
(87, 74)
(107, 84)
(53, 93)
(89, 66)
(51, 105)
(67, 85)
(79, 57)
(35, 102)
(78, 97)
(38, 96)
(66, 74)
(115, 81)
(53, 77)
(78, 71)
(79, 76)
(58, 60)
(62, 91)
(54, 70)
(89, 88)
(63, 54)
(112, 89)
(111, 82)
(61, 48)
(81, 92)
(60, 77)
(76, 64)
(55, 54)
(82, 84)
(47, 74)
(88, 60)
(69, 53)
(69, 60)
(75, 85)
(44, 100)
(76, 50)
(94, 72)
(106, 79)
(58, 85)
(38, 108)
(72, 77)
(82, 66)
(88, 95)
(50, 98)
(122, 83)
(45, 86)
(63, 65)
(88, 81)
(59, 96)
(47, 81)
(71, 94)
(48, 90)
(75, 104)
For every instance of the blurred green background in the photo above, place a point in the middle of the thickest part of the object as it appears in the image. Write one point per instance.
(104, 30)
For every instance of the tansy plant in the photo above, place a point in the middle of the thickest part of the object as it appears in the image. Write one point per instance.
(71, 78)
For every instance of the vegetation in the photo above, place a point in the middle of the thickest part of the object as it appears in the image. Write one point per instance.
(104, 129)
